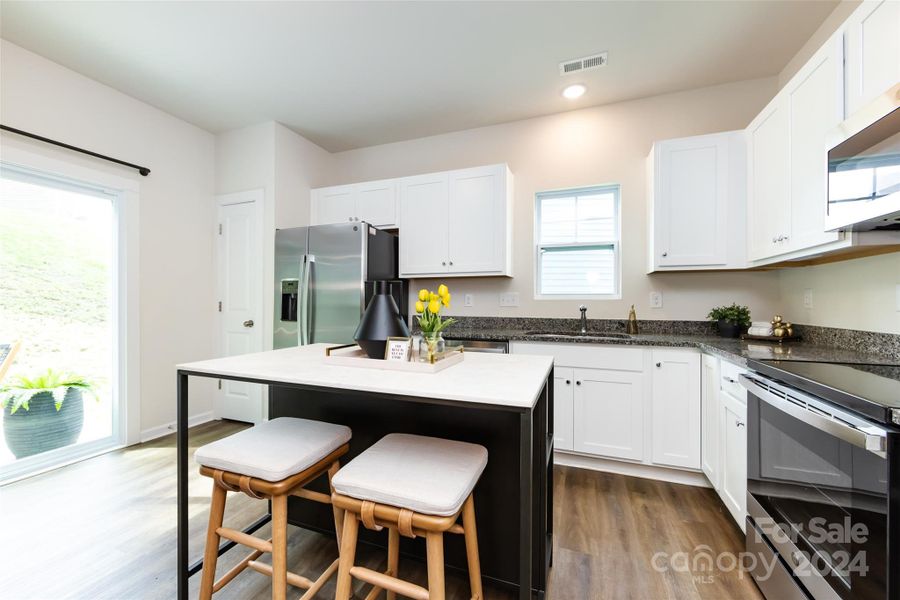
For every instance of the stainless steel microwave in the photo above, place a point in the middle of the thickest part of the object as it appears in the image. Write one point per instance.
(864, 168)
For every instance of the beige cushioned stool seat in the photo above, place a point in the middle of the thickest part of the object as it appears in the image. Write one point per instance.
(427, 475)
(275, 449)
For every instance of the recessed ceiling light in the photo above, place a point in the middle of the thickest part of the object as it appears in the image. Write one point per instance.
(576, 90)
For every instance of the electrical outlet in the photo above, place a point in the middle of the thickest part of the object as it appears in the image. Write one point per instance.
(509, 299)
(656, 300)
(469, 300)
(807, 298)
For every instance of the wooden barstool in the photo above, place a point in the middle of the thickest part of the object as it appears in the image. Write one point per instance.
(273, 460)
(414, 486)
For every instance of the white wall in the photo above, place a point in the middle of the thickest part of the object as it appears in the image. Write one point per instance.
(176, 241)
(856, 294)
(271, 157)
(583, 147)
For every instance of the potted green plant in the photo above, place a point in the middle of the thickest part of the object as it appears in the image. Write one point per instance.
(731, 320)
(44, 412)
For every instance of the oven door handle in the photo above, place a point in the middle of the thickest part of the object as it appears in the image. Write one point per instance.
(832, 421)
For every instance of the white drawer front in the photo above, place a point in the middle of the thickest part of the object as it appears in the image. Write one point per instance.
(588, 356)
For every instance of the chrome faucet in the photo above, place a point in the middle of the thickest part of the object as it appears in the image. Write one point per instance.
(583, 310)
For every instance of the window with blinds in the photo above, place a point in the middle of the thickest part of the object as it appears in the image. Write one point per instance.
(578, 243)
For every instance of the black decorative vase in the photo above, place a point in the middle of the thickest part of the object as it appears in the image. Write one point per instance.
(380, 321)
(728, 329)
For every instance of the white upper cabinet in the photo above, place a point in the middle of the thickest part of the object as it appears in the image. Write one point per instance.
(424, 234)
(815, 107)
(768, 179)
(676, 408)
(788, 159)
(456, 223)
(374, 202)
(336, 204)
(873, 51)
(697, 203)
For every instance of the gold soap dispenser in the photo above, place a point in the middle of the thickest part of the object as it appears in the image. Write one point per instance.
(631, 327)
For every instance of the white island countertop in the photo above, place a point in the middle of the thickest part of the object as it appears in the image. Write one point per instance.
(513, 380)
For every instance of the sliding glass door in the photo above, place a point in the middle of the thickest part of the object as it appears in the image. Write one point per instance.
(58, 332)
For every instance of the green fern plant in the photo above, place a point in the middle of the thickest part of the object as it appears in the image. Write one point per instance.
(19, 392)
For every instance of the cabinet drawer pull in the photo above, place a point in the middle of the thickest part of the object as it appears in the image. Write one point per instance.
(665, 254)
(738, 423)
(729, 380)
(659, 365)
(568, 382)
(577, 383)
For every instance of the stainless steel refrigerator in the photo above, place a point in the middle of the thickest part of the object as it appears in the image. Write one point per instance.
(324, 277)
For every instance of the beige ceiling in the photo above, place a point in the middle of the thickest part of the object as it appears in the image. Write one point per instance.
(347, 75)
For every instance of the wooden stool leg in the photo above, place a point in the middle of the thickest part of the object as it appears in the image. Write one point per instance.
(393, 563)
(211, 552)
(471, 535)
(434, 544)
(279, 547)
(348, 555)
(338, 512)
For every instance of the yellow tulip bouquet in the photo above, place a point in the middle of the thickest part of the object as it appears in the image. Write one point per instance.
(428, 309)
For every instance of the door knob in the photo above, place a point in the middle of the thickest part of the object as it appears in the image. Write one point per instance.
(248, 323)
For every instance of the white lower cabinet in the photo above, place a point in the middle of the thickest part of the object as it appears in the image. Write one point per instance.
(733, 428)
(614, 402)
(563, 408)
(676, 408)
(609, 413)
(724, 433)
(709, 419)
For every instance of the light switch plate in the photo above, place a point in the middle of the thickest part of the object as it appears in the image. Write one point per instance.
(509, 299)
(469, 300)
(656, 300)
(807, 298)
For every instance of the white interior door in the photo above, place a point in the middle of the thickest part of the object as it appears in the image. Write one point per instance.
(241, 289)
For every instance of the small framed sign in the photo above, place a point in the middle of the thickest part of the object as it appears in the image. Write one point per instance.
(398, 349)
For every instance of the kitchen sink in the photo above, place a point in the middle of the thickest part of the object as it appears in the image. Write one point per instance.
(603, 335)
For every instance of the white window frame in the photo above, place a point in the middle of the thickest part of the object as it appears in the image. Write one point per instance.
(616, 243)
(126, 385)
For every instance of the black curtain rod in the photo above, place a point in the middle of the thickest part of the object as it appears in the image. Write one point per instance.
(142, 170)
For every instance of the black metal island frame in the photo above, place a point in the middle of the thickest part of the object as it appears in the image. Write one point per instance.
(503, 402)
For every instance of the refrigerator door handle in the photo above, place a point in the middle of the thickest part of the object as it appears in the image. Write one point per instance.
(303, 321)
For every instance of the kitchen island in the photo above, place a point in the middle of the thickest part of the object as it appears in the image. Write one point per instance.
(503, 402)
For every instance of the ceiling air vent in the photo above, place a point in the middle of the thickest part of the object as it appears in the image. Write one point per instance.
(586, 63)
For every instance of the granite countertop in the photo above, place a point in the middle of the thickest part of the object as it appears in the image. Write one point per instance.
(734, 350)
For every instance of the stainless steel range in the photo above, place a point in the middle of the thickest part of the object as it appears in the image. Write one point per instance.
(823, 489)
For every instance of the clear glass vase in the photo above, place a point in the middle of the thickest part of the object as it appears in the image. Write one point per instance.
(430, 347)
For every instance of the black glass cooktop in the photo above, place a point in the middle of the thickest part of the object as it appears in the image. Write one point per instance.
(873, 390)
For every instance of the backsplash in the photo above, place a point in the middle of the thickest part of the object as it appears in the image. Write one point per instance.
(865, 342)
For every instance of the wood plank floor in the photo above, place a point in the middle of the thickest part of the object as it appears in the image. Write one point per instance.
(104, 529)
